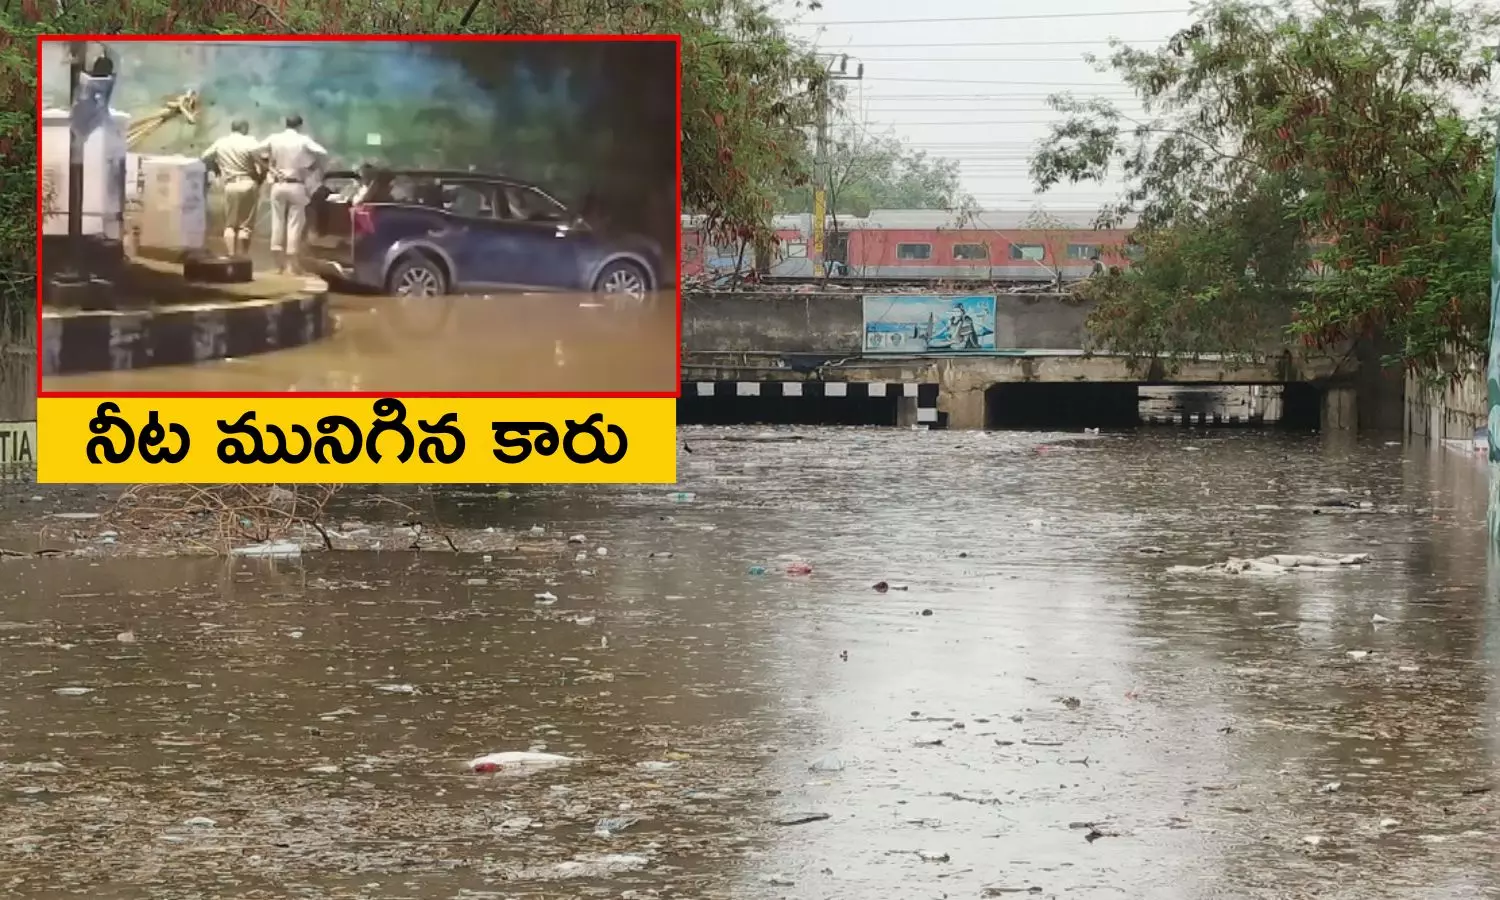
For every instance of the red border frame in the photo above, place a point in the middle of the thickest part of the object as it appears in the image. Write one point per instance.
(674, 39)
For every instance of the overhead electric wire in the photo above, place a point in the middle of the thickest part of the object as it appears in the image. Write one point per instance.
(1115, 13)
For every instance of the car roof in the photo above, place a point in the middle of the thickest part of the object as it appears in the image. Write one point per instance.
(452, 174)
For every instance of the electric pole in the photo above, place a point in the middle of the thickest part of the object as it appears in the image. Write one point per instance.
(821, 173)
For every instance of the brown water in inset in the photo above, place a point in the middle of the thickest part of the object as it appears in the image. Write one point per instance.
(1191, 724)
(566, 343)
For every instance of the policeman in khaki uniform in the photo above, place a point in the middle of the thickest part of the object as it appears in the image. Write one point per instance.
(295, 161)
(234, 157)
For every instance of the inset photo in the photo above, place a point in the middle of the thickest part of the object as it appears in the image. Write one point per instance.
(404, 216)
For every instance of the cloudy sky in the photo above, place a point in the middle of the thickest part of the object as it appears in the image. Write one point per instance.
(968, 79)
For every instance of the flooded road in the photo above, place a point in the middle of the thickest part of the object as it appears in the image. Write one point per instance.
(582, 343)
(1034, 706)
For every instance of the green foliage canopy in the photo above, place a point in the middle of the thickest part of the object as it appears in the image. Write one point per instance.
(1277, 136)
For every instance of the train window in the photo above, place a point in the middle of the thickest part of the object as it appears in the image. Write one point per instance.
(1034, 252)
(914, 251)
(1083, 251)
(971, 251)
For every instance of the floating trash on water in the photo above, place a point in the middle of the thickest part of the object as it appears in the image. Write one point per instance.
(799, 568)
(881, 587)
(517, 759)
(1357, 654)
(476, 582)
(546, 598)
(1312, 840)
(756, 570)
(126, 637)
(932, 856)
(396, 688)
(73, 691)
(655, 765)
(1331, 787)
(200, 822)
(519, 823)
(613, 826)
(827, 763)
(269, 549)
(802, 818)
(602, 551)
(323, 770)
(660, 554)
(577, 539)
(682, 496)
(1390, 823)
(1378, 619)
(538, 531)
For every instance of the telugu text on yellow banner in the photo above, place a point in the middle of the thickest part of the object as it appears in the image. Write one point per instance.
(309, 440)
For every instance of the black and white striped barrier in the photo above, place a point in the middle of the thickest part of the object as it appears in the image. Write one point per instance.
(1203, 419)
(109, 341)
(926, 395)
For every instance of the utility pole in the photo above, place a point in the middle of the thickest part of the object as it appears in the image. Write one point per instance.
(821, 173)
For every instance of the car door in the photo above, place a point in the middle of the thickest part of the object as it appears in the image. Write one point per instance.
(469, 232)
(544, 236)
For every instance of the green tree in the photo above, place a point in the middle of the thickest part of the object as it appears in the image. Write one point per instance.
(1270, 128)
(868, 172)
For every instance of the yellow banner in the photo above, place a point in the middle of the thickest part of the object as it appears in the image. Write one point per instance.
(308, 440)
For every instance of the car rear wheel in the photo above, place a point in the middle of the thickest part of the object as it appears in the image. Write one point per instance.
(417, 277)
(623, 279)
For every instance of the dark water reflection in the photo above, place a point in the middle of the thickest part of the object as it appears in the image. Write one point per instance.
(1212, 713)
(579, 343)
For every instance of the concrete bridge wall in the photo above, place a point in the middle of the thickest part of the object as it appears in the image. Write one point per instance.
(832, 322)
(758, 336)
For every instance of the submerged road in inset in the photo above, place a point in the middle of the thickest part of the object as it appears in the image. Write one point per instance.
(1034, 704)
(565, 343)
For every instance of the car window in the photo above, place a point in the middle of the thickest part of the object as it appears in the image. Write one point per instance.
(531, 205)
(414, 189)
(475, 201)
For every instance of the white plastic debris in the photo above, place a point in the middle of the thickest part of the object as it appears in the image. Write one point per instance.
(269, 549)
(577, 539)
(1357, 654)
(517, 759)
(538, 531)
(200, 822)
(1378, 619)
(655, 765)
(932, 855)
(602, 551)
(1313, 840)
(1275, 564)
(73, 691)
(396, 688)
(1390, 823)
(546, 598)
(1331, 787)
(126, 637)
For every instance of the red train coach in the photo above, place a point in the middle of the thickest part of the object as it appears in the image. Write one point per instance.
(915, 244)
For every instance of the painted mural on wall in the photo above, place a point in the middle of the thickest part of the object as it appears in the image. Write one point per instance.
(1494, 367)
(585, 120)
(928, 323)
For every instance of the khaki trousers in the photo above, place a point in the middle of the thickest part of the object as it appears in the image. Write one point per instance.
(241, 197)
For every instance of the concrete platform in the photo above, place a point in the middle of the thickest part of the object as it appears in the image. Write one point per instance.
(166, 320)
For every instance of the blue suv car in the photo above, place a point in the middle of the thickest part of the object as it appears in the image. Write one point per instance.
(421, 233)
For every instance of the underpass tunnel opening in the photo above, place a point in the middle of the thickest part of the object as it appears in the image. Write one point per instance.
(726, 408)
(1301, 407)
(1036, 405)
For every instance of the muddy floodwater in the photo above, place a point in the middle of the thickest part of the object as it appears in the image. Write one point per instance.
(1035, 704)
(558, 342)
